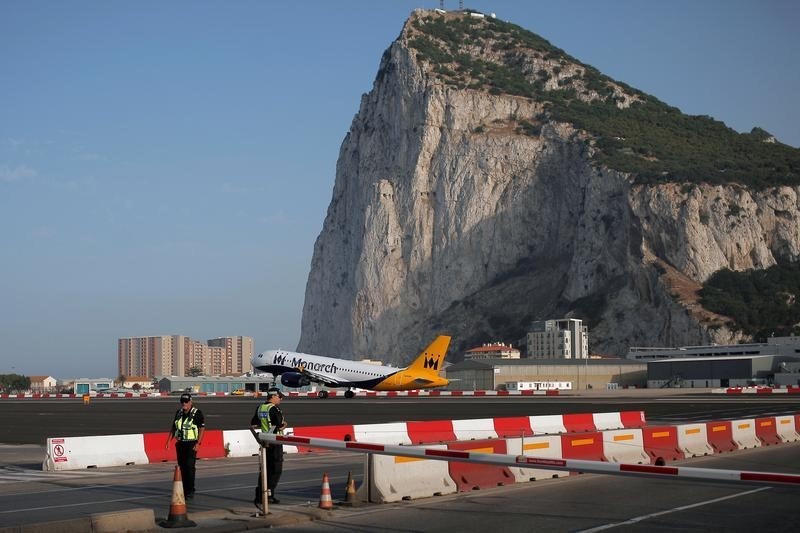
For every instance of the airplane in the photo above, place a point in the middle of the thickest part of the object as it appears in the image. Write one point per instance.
(301, 369)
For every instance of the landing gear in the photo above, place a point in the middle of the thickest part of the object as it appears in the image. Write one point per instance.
(322, 394)
(349, 394)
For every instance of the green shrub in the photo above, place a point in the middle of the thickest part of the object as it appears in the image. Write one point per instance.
(759, 302)
(649, 139)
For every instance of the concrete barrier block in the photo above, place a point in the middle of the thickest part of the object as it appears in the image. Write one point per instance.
(392, 479)
(72, 453)
(546, 447)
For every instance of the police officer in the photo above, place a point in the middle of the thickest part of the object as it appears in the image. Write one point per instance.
(269, 418)
(187, 428)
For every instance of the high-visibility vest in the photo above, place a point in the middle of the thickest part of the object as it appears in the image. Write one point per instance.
(263, 417)
(185, 428)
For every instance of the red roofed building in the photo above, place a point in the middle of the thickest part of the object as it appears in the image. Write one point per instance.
(494, 350)
(43, 383)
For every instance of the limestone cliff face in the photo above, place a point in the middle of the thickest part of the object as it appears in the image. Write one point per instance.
(446, 219)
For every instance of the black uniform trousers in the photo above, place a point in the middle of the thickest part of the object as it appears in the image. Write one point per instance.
(187, 458)
(274, 470)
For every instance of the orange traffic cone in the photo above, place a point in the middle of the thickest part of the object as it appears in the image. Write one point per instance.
(325, 501)
(350, 491)
(177, 508)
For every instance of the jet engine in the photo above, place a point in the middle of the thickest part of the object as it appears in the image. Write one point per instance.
(294, 379)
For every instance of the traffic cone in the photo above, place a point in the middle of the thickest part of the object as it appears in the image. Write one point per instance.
(177, 508)
(350, 492)
(325, 501)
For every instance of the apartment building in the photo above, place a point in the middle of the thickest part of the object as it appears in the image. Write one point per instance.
(175, 355)
(565, 338)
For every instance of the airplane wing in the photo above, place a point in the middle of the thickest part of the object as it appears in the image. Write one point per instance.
(319, 378)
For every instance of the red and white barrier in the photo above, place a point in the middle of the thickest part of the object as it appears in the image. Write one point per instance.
(469, 476)
(693, 440)
(72, 453)
(767, 431)
(720, 436)
(787, 430)
(599, 467)
(666, 442)
(624, 446)
(757, 390)
(294, 394)
(546, 446)
(478, 428)
(661, 442)
(395, 478)
(744, 433)
(588, 446)
(387, 433)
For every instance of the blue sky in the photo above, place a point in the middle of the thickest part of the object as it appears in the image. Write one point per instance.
(165, 167)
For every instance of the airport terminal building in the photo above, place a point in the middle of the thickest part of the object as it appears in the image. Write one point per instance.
(495, 374)
(774, 362)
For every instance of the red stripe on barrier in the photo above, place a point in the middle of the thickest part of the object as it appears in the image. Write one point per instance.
(720, 436)
(154, 448)
(430, 431)
(669, 470)
(294, 440)
(551, 393)
(343, 433)
(586, 446)
(513, 426)
(213, 445)
(364, 446)
(632, 419)
(448, 453)
(470, 476)
(767, 430)
(579, 422)
(778, 478)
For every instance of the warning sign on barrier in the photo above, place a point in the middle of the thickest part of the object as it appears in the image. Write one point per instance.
(58, 450)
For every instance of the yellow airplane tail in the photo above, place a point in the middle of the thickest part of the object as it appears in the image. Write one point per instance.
(431, 360)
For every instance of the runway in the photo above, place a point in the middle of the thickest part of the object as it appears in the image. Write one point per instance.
(32, 421)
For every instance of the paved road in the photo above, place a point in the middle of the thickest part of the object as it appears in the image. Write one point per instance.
(575, 503)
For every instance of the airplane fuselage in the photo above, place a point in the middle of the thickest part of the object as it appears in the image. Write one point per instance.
(334, 372)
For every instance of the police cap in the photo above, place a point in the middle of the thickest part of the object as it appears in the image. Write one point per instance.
(186, 397)
(273, 392)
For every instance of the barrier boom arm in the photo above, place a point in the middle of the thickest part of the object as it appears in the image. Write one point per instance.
(575, 465)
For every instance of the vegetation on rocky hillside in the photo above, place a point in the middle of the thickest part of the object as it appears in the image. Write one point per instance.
(760, 302)
(653, 141)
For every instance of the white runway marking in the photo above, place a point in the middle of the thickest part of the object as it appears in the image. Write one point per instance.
(11, 474)
(676, 509)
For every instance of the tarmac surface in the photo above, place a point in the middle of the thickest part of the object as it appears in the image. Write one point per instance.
(572, 504)
(32, 421)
